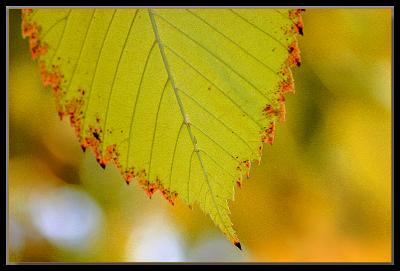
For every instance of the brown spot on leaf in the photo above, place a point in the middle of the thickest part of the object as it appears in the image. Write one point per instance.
(247, 165)
(260, 150)
(148, 187)
(128, 174)
(298, 25)
(96, 135)
(294, 54)
(170, 196)
(239, 184)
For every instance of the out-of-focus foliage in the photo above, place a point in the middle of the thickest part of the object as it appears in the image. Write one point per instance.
(322, 193)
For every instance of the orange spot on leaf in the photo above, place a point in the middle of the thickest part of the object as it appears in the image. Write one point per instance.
(31, 30)
(294, 54)
(298, 25)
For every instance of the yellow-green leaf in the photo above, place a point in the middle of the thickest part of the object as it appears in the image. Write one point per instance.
(181, 100)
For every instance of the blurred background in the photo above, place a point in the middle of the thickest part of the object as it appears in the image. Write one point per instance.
(321, 193)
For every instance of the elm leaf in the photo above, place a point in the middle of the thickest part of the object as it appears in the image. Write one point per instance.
(180, 100)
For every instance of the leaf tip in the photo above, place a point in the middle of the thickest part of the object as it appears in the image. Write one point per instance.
(237, 244)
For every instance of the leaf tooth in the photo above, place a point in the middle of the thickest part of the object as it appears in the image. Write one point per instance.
(247, 165)
(298, 25)
(294, 54)
(260, 150)
(239, 183)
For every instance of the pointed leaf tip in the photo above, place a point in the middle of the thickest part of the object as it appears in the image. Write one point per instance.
(237, 244)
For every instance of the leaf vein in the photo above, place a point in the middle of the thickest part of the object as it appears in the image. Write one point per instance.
(44, 34)
(165, 61)
(217, 119)
(235, 43)
(213, 140)
(190, 170)
(80, 51)
(61, 37)
(155, 125)
(115, 75)
(136, 101)
(218, 164)
(258, 28)
(173, 155)
(214, 55)
(212, 83)
(96, 68)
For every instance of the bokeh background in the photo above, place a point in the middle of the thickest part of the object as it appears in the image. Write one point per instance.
(321, 193)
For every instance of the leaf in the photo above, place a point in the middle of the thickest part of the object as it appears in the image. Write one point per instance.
(181, 100)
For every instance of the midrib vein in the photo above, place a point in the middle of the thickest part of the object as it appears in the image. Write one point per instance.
(182, 109)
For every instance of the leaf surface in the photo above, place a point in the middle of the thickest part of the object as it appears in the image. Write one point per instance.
(181, 100)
